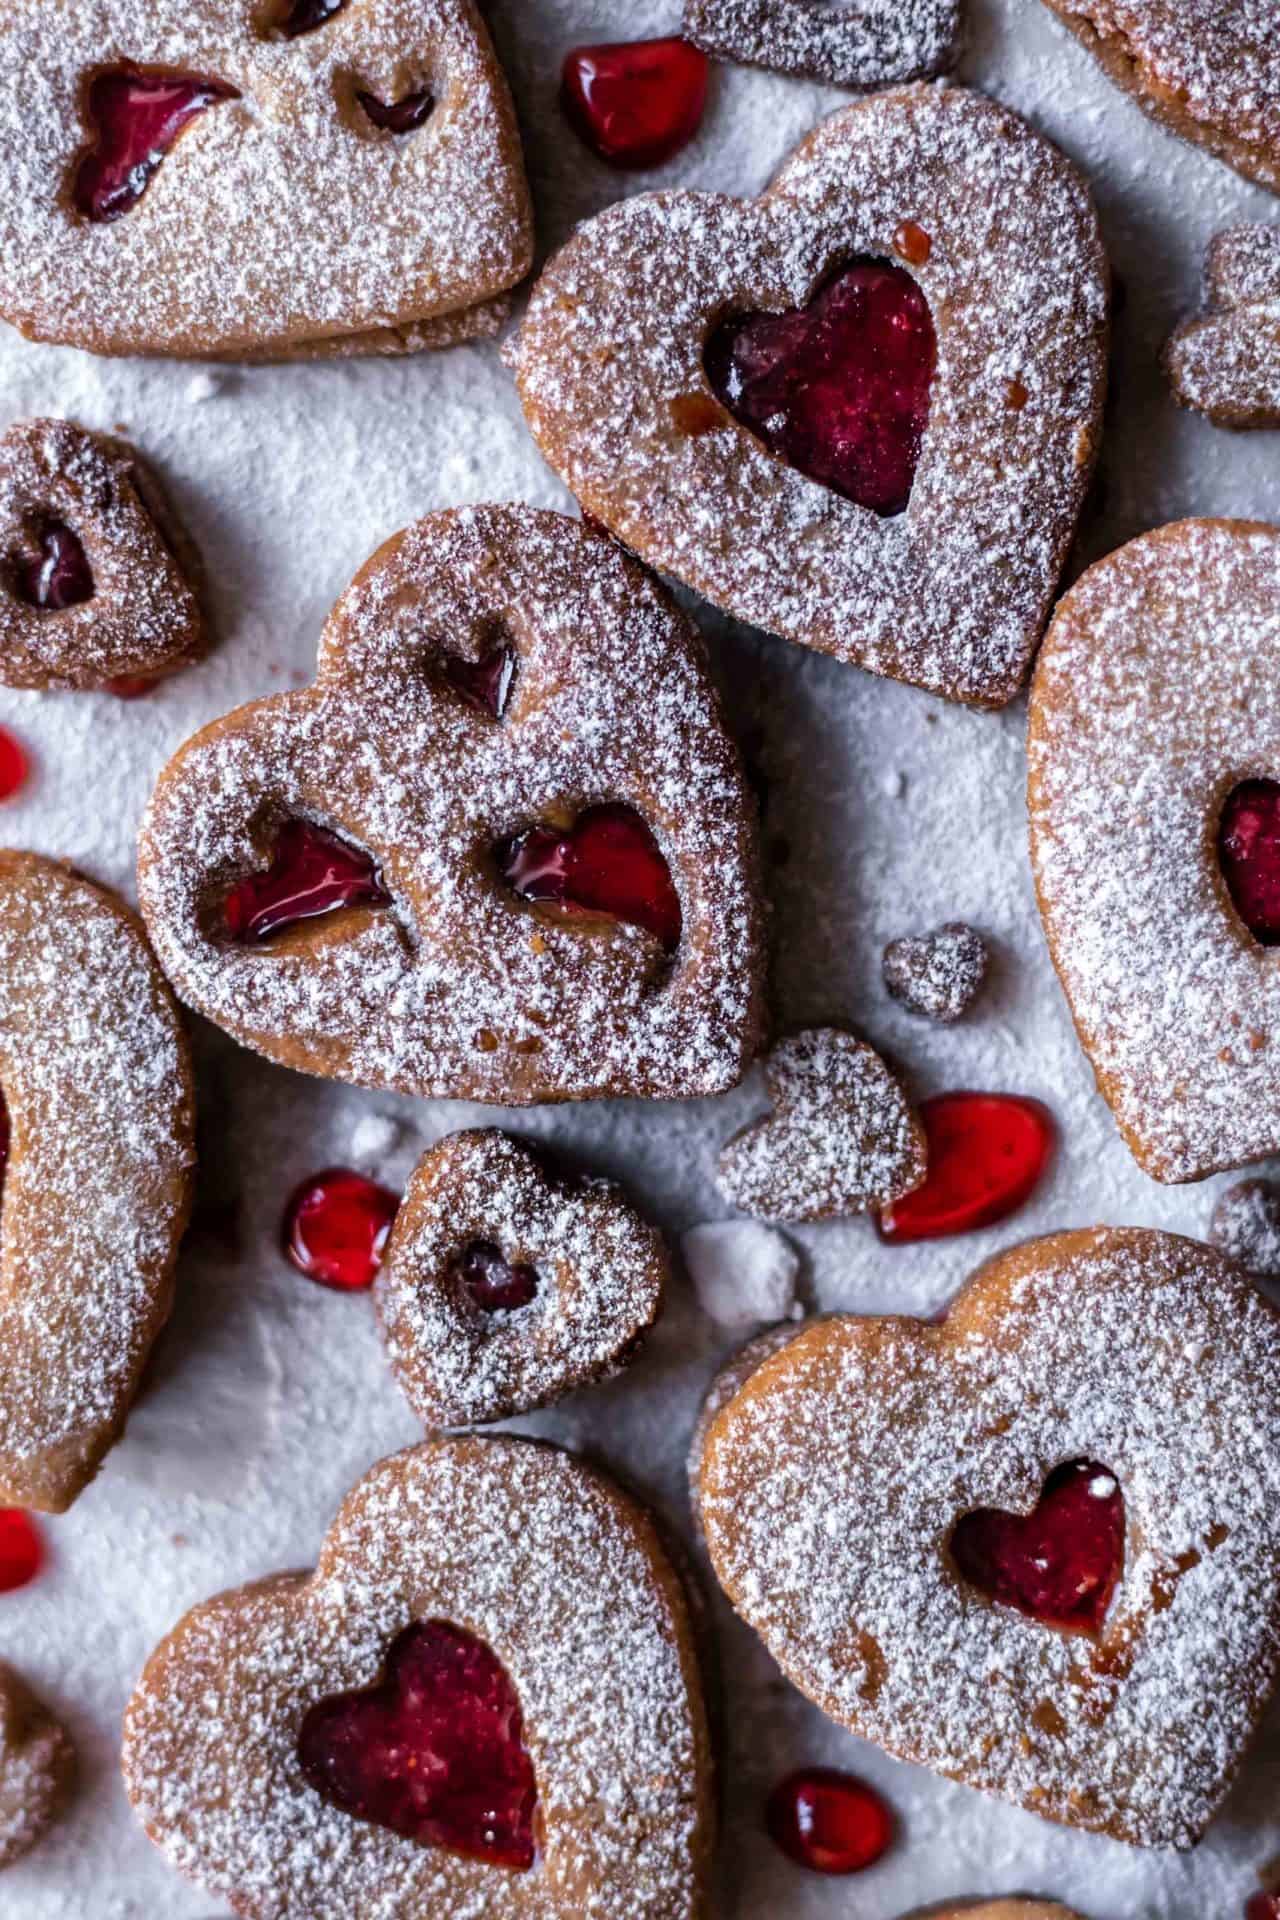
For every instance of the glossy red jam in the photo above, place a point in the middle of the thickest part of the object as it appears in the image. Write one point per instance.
(14, 764)
(485, 683)
(135, 116)
(304, 16)
(488, 1280)
(1249, 855)
(828, 1821)
(132, 686)
(4, 1141)
(840, 388)
(336, 1227)
(21, 1549)
(1060, 1564)
(312, 872)
(987, 1153)
(57, 574)
(635, 103)
(436, 1752)
(405, 115)
(1263, 1906)
(608, 862)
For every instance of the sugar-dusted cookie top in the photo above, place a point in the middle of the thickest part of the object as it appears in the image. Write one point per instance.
(37, 1768)
(1226, 362)
(1002, 1910)
(867, 43)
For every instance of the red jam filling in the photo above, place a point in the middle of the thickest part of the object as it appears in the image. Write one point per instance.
(304, 16)
(1263, 1906)
(485, 683)
(840, 388)
(57, 574)
(21, 1549)
(436, 1752)
(135, 117)
(14, 764)
(1060, 1564)
(638, 102)
(608, 862)
(828, 1821)
(489, 1281)
(1249, 855)
(132, 686)
(987, 1153)
(312, 872)
(336, 1228)
(405, 115)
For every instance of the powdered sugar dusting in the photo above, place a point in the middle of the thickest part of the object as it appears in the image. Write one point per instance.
(1227, 363)
(865, 43)
(36, 1766)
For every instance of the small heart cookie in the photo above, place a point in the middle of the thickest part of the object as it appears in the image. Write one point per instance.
(236, 179)
(484, 1701)
(506, 1284)
(501, 850)
(95, 571)
(37, 1768)
(1227, 363)
(1032, 1546)
(842, 1137)
(98, 1126)
(1153, 750)
(871, 43)
(861, 411)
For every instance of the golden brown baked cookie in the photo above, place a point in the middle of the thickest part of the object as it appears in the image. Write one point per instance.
(725, 1383)
(1226, 363)
(870, 43)
(549, 855)
(927, 217)
(99, 1108)
(1002, 1910)
(1034, 1545)
(95, 571)
(37, 1768)
(512, 1583)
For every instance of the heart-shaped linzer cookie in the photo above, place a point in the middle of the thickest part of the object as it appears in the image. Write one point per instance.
(1226, 363)
(1154, 743)
(98, 1127)
(501, 850)
(214, 180)
(37, 1768)
(745, 392)
(1110, 1383)
(507, 1283)
(867, 43)
(485, 1700)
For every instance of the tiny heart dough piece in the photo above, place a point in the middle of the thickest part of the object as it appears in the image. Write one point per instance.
(1226, 363)
(601, 1272)
(564, 1578)
(37, 1768)
(952, 594)
(1147, 1353)
(1154, 696)
(866, 43)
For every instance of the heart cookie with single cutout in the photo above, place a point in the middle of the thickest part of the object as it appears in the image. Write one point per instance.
(1154, 757)
(501, 850)
(37, 1768)
(1226, 363)
(861, 411)
(1034, 1545)
(870, 43)
(485, 1700)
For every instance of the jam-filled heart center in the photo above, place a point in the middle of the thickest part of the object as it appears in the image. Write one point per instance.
(1249, 856)
(313, 872)
(435, 1752)
(607, 863)
(1059, 1564)
(839, 388)
(135, 117)
(55, 573)
(492, 1282)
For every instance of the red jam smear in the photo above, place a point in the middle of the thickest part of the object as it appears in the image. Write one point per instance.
(635, 103)
(987, 1154)
(405, 115)
(485, 683)
(15, 764)
(1249, 855)
(828, 1822)
(135, 117)
(336, 1227)
(313, 872)
(608, 862)
(304, 16)
(57, 574)
(21, 1549)
(840, 388)
(1060, 1564)
(490, 1281)
(436, 1752)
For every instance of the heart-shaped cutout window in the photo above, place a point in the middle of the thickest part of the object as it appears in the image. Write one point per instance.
(1059, 1564)
(313, 872)
(135, 117)
(490, 1281)
(1249, 856)
(607, 863)
(484, 683)
(55, 572)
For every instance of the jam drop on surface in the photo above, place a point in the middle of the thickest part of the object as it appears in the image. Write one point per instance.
(987, 1152)
(608, 862)
(436, 1752)
(839, 389)
(1060, 1564)
(135, 117)
(14, 764)
(405, 115)
(828, 1821)
(638, 102)
(304, 16)
(485, 683)
(58, 574)
(312, 872)
(336, 1227)
(493, 1285)
(1249, 855)
(21, 1549)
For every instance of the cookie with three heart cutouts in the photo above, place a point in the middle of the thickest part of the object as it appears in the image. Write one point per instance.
(485, 1700)
(37, 1768)
(871, 43)
(96, 572)
(260, 180)
(1226, 362)
(97, 1131)
(861, 411)
(501, 850)
(1031, 1546)
(508, 1282)
(1154, 755)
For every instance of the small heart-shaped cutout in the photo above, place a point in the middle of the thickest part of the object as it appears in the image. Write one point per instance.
(850, 43)
(1059, 1564)
(1249, 855)
(607, 862)
(495, 1285)
(57, 575)
(135, 116)
(487, 682)
(635, 103)
(313, 873)
(405, 115)
(300, 17)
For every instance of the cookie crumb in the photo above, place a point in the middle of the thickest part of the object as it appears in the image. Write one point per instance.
(743, 1273)
(204, 386)
(374, 1138)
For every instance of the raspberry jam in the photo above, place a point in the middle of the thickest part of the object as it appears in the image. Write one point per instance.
(987, 1153)
(608, 862)
(1060, 1564)
(488, 1280)
(21, 1549)
(336, 1227)
(840, 388)
(132, 686)
(135, 117)
(4, 1141)
(1263, 1906)
(57, 574)
(485, 683)
(1249, 855)
(436, 1752)
(636, 103)
(304, 16)
(312, 872)
(405, 115)
(828, 1821)
(14, 764)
